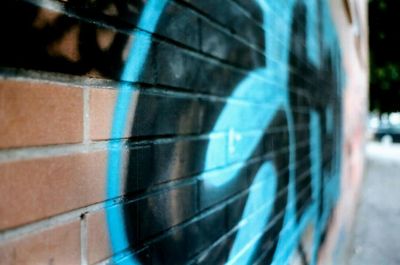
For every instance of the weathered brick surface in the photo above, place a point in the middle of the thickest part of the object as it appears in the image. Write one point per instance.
(39, 188)
(38, 113)
(56, 245)
(97, 238)
(102, 107)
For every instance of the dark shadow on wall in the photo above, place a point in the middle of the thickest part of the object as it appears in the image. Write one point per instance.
(41, 39)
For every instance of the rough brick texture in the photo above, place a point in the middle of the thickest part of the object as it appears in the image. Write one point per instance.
(57, 245)
(35, 114)
(179, 131)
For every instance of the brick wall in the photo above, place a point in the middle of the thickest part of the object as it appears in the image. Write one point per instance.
(180, 131)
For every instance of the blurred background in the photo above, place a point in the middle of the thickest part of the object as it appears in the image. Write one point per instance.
(377, 229)
(384, 94)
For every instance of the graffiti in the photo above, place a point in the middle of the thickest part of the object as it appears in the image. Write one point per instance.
(88, 52)
(241, 150)
(307, 191)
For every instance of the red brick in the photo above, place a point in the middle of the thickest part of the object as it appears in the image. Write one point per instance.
(98, 240)
(57, 245)
(33, 113)
(35, 189)
(101, 112)
(102, 104)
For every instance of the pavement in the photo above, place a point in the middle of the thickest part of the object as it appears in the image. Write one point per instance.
(376, 239)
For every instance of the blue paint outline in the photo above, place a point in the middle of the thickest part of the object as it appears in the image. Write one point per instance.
(135, 61)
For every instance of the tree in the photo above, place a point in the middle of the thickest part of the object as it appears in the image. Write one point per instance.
(384, 23)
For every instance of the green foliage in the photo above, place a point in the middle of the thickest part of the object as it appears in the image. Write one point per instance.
(384, 55)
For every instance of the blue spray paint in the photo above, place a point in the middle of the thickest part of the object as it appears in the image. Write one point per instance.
(276, 14)
(134, 64)
(262, 193)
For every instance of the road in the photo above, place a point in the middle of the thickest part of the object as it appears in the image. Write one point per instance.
(376, 238)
